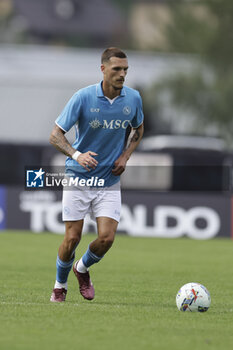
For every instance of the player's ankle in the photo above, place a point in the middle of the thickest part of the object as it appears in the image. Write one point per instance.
(80, 267)
(59, 285)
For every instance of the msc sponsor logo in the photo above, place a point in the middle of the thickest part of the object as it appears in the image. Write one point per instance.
(115, 124)
(109, 124)
(95, 124)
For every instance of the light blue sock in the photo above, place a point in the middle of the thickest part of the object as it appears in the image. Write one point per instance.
(63, 269)
(90, 258)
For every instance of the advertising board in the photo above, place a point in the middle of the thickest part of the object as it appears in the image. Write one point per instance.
(144, 213)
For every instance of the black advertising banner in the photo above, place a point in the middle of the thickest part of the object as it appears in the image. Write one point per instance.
(176, 214)
(144, 213)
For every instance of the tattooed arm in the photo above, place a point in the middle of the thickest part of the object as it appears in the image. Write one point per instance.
(60, 142)
(133, 141)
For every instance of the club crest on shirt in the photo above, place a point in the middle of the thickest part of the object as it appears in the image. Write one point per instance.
(95, 124)
(127, 110)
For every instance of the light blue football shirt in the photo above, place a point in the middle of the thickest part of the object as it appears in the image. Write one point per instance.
(100, 127)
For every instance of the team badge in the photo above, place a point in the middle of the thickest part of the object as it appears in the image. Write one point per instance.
(127, 110)
(66, 210)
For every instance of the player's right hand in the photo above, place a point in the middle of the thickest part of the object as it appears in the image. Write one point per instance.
(87, 161)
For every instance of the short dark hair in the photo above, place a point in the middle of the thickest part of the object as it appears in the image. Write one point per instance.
(112, 52)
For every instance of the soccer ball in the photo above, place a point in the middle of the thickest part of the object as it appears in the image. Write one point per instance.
(193, 297)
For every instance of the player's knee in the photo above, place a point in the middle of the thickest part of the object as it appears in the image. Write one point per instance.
(107, 241)
(72, 240)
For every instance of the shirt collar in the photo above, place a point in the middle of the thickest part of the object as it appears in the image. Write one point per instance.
(99, 90)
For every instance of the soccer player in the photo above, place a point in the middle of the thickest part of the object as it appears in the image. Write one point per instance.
(100, 114)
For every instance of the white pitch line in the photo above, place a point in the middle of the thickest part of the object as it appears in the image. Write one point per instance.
(25, 303)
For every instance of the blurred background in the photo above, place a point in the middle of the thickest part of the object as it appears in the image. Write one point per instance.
(180, 58)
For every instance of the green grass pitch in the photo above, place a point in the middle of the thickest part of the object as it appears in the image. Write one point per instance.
(134, 308)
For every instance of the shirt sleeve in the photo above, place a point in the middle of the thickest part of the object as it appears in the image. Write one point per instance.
(139, 116)
(71, 113)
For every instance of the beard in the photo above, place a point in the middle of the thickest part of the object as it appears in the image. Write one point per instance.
(118, 87)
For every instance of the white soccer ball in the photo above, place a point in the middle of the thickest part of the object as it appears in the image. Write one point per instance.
(193, 297)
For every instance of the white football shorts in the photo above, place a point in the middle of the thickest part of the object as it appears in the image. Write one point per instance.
(105, 201)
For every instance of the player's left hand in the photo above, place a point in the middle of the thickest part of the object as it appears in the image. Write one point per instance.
(119, 165)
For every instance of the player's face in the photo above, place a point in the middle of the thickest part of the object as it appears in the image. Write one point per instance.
(115, 71)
